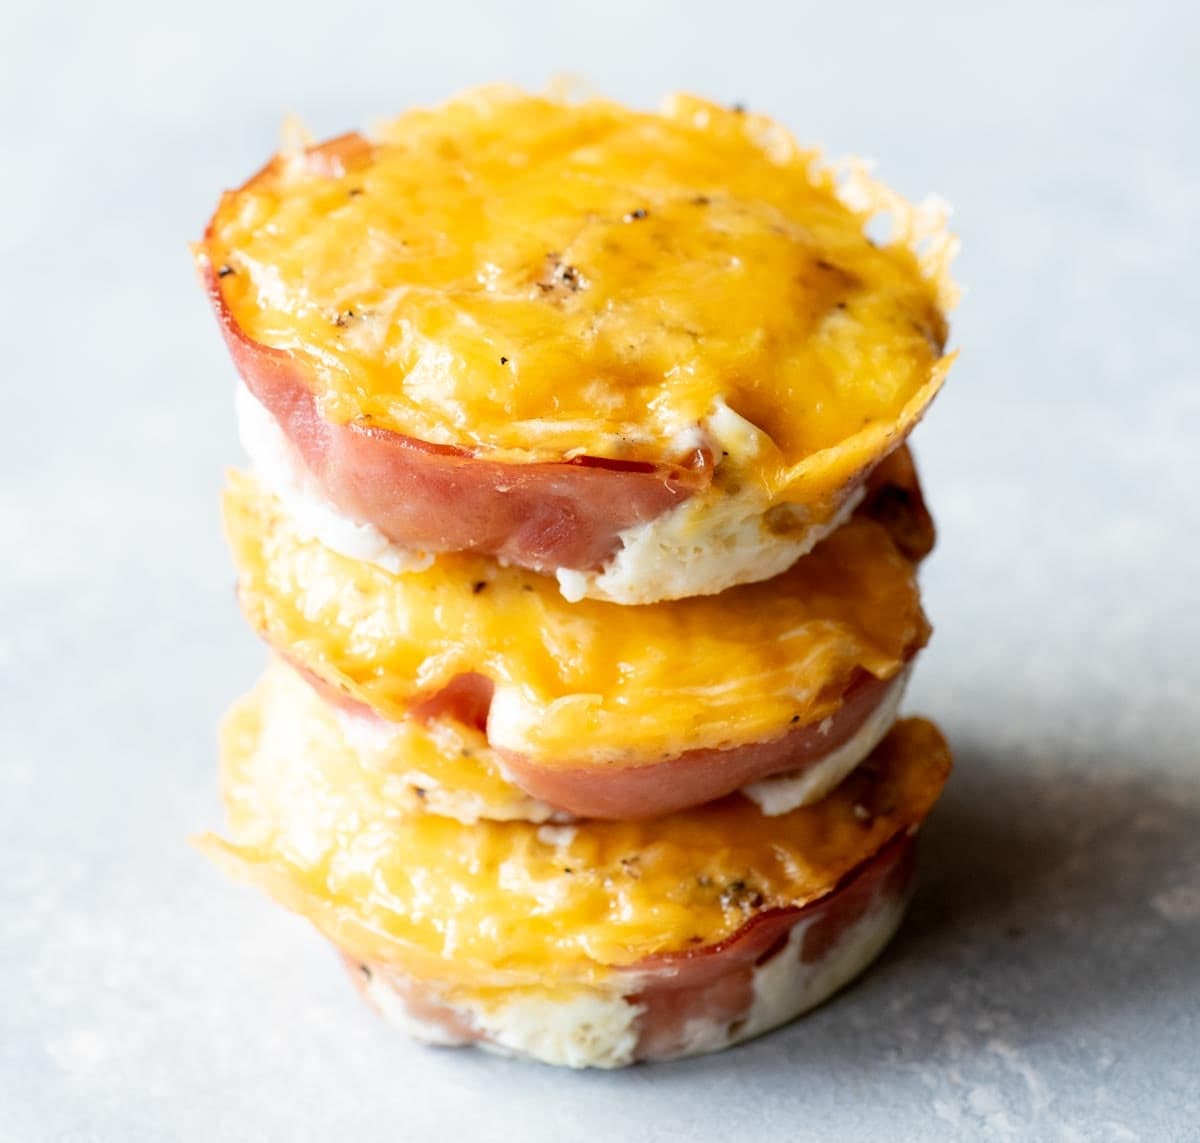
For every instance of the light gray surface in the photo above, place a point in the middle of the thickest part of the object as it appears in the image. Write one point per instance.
(1047, 985)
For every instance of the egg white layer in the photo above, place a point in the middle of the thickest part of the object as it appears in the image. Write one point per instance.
(783, 793)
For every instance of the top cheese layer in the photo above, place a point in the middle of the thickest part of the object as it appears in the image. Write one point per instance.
(498, 902)
(536, 279)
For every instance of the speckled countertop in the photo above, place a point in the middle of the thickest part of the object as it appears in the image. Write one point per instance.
(1047, 984)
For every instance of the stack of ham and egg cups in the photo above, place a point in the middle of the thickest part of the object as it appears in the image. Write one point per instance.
(582, 526)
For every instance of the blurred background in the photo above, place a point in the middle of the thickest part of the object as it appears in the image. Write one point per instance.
(1046, 985)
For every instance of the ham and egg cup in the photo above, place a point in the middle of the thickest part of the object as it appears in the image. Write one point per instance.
(654, 355)
(595, 944)
(595, 710)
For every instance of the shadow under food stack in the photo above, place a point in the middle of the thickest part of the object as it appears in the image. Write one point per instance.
(583, 529)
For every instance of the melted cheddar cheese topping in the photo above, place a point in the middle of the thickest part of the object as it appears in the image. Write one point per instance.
(532, 279)
(577, 684)
(503, 902)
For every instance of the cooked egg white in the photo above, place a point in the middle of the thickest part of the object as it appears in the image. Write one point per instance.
(782, 793)
(784, 987)
(715, 539)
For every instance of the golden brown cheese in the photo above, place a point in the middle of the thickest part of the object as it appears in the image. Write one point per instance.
(591, 681)
(503, 902)
(536, 279)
